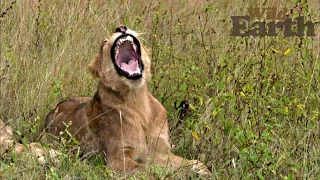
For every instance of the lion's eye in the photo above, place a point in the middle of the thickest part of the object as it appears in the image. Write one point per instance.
(102, 44)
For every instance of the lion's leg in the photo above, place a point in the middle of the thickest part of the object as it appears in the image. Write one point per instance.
(125, 165)
(123, 160)
(176, 162)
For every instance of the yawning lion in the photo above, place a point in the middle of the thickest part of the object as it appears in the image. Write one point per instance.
(123, 121)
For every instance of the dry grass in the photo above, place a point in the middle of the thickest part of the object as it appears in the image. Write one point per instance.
(255, 111)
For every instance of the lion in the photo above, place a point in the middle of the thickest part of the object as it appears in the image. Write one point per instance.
(123, 122)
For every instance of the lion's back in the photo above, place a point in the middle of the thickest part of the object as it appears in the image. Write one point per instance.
(57, 119)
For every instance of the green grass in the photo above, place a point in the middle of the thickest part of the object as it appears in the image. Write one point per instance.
(255, 111)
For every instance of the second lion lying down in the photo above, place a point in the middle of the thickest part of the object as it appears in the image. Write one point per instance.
(123, 121)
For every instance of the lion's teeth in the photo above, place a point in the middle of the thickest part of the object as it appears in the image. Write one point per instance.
(134, 47)
(130, 38)
(117, 52)
(127, 38)
(137, 71)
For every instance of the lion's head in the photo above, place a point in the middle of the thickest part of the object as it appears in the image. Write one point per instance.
(122, 61)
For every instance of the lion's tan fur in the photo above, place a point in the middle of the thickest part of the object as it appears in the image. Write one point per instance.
(123, 121)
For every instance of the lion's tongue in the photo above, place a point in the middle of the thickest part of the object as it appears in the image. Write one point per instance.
(132, 67)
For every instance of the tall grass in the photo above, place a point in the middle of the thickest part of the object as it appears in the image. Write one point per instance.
(254, 110)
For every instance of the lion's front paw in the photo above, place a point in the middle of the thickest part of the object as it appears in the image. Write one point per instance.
(200, 168)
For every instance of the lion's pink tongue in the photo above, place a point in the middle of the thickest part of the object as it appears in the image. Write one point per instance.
(132, 67)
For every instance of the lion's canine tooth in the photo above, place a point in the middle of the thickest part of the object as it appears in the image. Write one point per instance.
(130, 38)
(134, 47)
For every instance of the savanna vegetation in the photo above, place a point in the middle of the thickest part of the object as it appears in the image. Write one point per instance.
(251, 105)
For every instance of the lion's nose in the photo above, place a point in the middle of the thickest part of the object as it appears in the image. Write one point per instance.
(121, 29)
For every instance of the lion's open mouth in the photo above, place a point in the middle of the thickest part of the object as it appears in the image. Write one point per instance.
(126, 56)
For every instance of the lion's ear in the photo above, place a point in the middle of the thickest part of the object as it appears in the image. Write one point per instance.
(94, 66)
